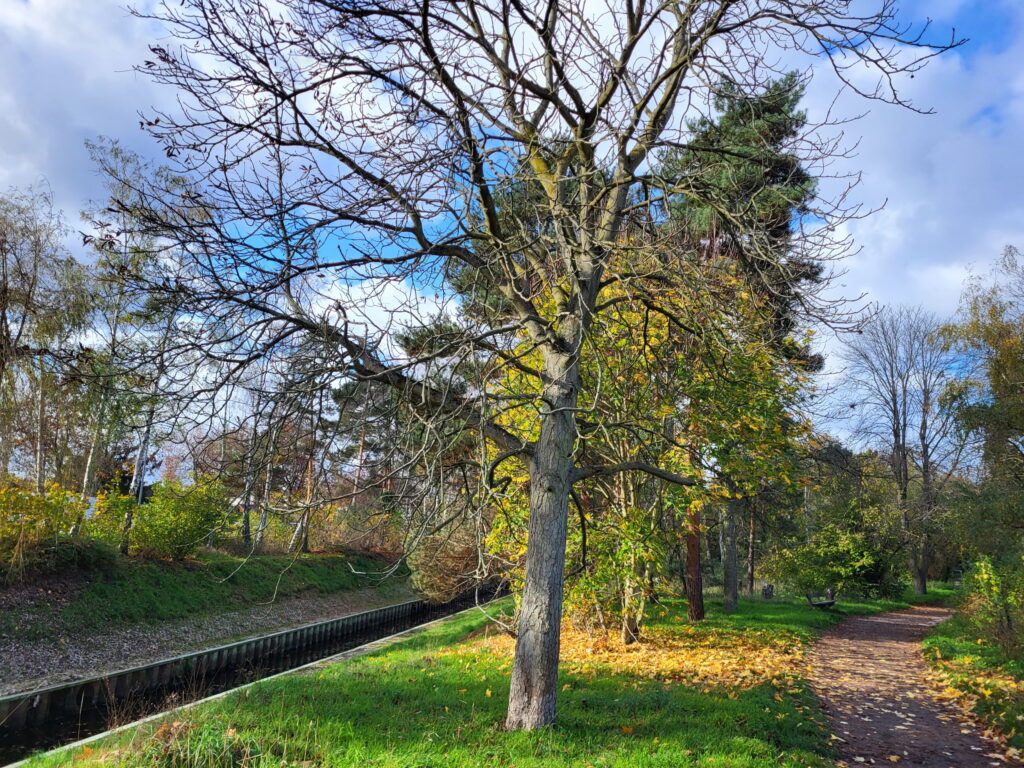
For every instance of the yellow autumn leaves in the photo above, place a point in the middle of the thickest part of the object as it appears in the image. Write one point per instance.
(703, 657)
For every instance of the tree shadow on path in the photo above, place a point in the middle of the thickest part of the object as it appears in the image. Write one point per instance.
(869, 673)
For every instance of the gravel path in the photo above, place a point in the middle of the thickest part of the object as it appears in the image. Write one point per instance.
(870, 676)
(28, 665)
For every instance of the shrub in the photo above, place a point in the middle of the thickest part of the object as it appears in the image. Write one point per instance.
(179, 518)
(29, 521)
(994, 603)
(106, 523)
(68, 553)
(837, 558)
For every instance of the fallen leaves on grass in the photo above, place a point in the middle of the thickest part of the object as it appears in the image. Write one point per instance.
(698, 656)
(989, 698)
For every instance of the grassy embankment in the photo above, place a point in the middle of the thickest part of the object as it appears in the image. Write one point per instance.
(726, 692)
(981, 679)
(136, 591)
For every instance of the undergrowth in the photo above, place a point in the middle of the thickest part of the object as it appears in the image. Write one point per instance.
(981, 678)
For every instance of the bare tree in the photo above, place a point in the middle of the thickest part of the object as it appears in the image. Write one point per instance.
(901, 368)
(338, 152)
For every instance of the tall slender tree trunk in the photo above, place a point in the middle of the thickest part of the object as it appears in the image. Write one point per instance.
(751, 531)
(247, 517)
(630, 629)
(694, 580)
(137, 488)
(722, 525)
(299, 541)
(730, 600)
(268, 478)
(304, 541)
(633, 582)
(6, 449)
(534, 683)
(249, 483)
(923, 555)
(90, 459)
(40, 467)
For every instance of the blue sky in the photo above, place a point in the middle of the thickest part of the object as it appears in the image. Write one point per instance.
(951, 182)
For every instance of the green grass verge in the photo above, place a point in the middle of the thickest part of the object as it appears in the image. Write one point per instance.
(148, 592)
(938, 592)
(978, 675)
(423, 704)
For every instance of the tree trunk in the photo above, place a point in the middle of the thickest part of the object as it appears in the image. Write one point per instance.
(752, 529)
(90, 461)
(630, 619)
(722, 525)
(923, 557)
(694, 581)
(920, 580)
(300, 535)
(247, 487)
(138, 484)
(730, 600)
(920, 562)
(246, 524)
(534, 684)
(40, 414)
(137, 489)
(268, 482)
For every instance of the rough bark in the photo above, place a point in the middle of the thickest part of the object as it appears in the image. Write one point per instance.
(534, 683)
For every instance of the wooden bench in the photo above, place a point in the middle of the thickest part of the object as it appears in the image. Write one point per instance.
(822, 601)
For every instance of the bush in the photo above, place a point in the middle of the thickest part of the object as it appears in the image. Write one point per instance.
(178, 518)
(106, 523)
(67, 553)
(993, 604)
(30, 521)
(837, 558)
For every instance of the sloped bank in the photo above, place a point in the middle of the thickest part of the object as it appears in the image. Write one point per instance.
(59, 714)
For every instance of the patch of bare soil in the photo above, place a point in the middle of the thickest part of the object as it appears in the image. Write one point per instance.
(28, 665)
(871, 678)
(54, 590)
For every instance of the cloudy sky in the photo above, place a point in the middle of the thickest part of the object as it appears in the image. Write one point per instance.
(951, 182)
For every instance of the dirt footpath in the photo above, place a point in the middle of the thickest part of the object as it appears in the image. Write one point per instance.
(871, 678)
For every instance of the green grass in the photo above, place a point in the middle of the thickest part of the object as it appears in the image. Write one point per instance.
(938, 592)
(424, 704)
(150, 592)
(990, 684)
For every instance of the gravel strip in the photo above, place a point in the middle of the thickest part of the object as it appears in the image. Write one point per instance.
(25, 666)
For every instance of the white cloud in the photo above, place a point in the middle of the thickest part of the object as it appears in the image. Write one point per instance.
(950, 181)
(65, 76)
